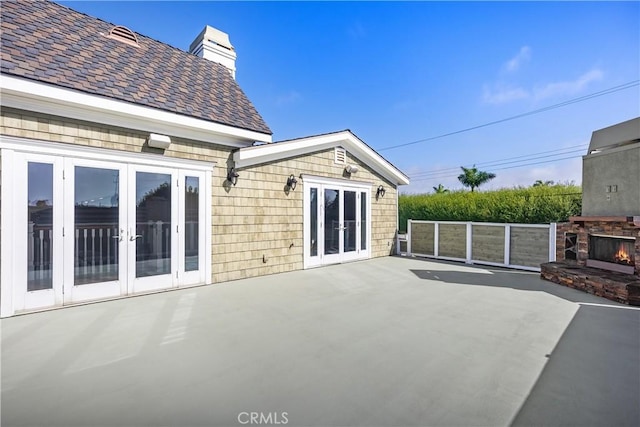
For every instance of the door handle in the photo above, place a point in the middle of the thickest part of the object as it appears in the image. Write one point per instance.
(133, 237)
(119, 237)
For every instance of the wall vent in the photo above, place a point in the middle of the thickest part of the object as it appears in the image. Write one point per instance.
(124, 35)
(340, 156)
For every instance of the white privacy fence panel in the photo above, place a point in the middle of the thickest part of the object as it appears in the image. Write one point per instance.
(521, 246)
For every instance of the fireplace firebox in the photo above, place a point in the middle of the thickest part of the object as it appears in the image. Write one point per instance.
(612, 253)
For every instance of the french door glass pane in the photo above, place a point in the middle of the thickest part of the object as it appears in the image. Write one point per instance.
(192, 222)
(349, 221)
(39, 225)
(97, 228)
(331, 221)
(363, 221)
(153, 224)
(314, 222)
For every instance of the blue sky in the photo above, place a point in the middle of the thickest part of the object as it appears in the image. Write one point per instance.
(398, 72)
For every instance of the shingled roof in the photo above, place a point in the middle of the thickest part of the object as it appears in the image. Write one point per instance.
(54, 44)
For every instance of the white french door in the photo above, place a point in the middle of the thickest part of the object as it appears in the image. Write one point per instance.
(35, 257)
(78, 229)
(166, 226)
(94, 229)
(152, 229)
(336, 221)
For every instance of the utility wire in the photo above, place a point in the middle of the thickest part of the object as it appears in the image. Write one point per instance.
(524, 158)
(497, 169)
(511, 162)
(507, 163)
(614, 89)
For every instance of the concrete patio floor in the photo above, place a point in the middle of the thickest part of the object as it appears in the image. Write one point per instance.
(384, 342)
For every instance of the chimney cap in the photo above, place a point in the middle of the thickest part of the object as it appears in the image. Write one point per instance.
(212, 35)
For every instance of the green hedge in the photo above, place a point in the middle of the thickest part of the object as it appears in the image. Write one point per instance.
(532, 205)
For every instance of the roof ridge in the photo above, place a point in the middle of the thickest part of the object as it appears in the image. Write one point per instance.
(157, 74)
(95, 18)
(315, 135)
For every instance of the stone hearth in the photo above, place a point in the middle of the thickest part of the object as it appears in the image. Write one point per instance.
(619, 287)
(572, 254)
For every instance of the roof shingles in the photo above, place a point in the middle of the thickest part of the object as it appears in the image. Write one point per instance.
(53, 44)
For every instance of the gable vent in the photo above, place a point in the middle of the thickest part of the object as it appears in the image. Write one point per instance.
(124, 35)
(340, 156)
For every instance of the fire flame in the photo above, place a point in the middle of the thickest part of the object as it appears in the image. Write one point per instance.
(622, 256)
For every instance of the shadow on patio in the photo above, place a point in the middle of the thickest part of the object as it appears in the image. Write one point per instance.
(592, 376)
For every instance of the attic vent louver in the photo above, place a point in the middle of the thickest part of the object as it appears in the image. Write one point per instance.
(340, 156)
(124, 35)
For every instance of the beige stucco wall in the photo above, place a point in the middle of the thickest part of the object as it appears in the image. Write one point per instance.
(253, 222)
(618, 167)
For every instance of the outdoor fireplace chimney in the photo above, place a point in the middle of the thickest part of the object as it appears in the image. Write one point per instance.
(214, 45)
(611, 171)
(599, 251)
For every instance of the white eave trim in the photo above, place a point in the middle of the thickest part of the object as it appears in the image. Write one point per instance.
(28, 145)
(48, 99)
(250, 156)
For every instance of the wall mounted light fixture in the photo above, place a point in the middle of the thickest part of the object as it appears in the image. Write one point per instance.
(292, 182)
(381, 191)
(158, 141)
(232, 176)
(351, 169)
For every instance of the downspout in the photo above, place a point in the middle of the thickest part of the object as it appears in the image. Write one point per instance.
(397, 251)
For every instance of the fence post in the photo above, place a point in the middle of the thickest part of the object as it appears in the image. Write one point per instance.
(469, 243)
(409, 237)
(436, 239)
(552, 241)
(507, 244)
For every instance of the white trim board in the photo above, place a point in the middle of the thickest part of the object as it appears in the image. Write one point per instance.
(250, 156)
(48, 99)
(61, 149)
(315, 179)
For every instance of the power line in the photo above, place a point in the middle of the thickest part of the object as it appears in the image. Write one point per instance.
(538, 163)
(508, 160)
(532, 158)
(614, 89)
(554, 195)
(527, 195)
(497, 169)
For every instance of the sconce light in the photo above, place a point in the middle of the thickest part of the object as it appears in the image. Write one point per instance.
(381, 191)
(158, 141)
(232, 176)
(351, 169)
(292, 182)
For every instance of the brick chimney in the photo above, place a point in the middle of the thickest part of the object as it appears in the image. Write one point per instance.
(214, 45)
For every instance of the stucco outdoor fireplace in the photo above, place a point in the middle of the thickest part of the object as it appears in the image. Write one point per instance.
(599, 251)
